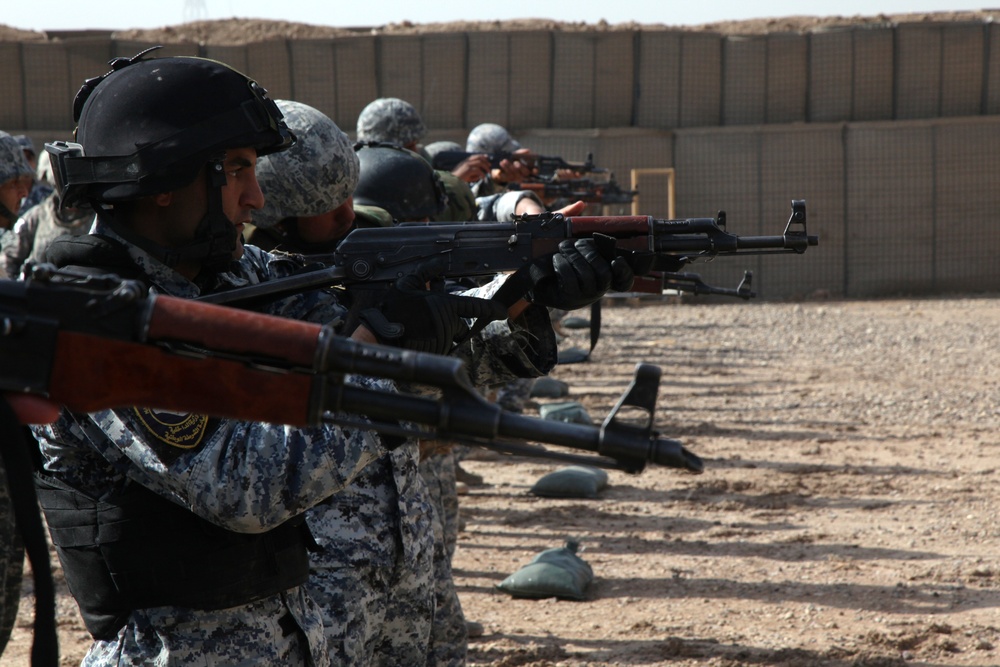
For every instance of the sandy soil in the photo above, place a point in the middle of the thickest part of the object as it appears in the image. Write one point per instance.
(846, 516)
(247, 30)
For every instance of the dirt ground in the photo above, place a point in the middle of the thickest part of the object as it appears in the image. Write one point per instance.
(249, 30)
(846, 516)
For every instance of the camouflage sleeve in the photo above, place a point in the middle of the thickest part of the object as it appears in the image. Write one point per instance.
(244, 476)
(15, 246)
(507, 350)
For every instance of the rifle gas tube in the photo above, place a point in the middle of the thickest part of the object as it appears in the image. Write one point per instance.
(105, 343)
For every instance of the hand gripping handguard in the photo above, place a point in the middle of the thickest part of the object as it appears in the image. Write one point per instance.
(92, 343)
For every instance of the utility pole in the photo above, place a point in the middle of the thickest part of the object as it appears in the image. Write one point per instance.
(195, 10)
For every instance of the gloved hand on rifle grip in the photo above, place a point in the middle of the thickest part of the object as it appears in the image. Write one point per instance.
(579, 274)
(411, 316)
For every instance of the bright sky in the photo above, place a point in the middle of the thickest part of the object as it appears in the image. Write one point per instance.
(118, 14)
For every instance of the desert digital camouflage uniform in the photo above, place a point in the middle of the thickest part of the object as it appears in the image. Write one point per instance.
(12, 165)
(244, 476)
(35, 229)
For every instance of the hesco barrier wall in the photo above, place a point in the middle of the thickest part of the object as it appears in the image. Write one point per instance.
(890, 133)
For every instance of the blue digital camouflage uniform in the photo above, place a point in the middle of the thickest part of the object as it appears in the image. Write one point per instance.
(244, 476)
(380, 575)
(374, 574)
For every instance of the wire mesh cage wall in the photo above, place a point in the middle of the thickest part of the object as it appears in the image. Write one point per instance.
(888, 131)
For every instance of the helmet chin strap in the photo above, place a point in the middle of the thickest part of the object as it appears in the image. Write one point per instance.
(215, 238)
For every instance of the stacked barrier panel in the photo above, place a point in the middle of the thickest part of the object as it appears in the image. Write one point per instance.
(992, 57)
(874, 67)
(787, 77)
(269, 64)
(126, 48)
(659, 93)
(831, 76)
(573, 93)
(87, 58)
(719, 169)
(622, 150)
(918, 71)
(311, 65)
(444, 73)
(614, 79)
(890, 208)
(744, 91)
(48, 91)
(701, 80)
(233, 55)
(400, 68)
(962, 54)
(966, 173)
(489, 79)
(531, 97)
(12, 83)
(803, 162)
(355, 78)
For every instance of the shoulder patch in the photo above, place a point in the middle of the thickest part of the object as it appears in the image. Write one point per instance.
(182, 431)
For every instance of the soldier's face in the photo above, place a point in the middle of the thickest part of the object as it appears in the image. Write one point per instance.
(185, 208)
(11, 194)
(241, 194)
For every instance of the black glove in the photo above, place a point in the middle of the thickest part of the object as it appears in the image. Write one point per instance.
(411, 316)
(579, 274)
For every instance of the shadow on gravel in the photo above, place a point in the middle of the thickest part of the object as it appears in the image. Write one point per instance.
(523, 650)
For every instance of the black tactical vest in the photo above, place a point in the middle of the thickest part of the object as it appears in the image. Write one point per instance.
(139, 550)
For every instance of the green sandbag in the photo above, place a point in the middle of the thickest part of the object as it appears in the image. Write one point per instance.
(569, 412)
(576, 323)
(554, 573)
(573, 355)
(571, 482)
(549, 387)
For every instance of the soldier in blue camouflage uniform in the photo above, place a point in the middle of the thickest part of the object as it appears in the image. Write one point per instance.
(181, 536)
(308, 204)
(383, 571)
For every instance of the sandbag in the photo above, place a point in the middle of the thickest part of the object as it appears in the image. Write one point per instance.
(569, 412)
(571, 482)
(572, 355)
(549, 387)
(554, 573)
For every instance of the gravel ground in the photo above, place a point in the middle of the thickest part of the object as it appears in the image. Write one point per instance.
(846, 516)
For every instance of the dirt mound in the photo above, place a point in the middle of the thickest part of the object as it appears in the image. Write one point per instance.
(238, 31)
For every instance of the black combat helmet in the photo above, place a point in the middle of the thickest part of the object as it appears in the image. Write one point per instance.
(399, 181)
(150, 126)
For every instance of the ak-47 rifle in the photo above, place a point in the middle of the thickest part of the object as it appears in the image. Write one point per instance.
(579, 189)
(92, 343)
(468, 249)
(546, 165)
